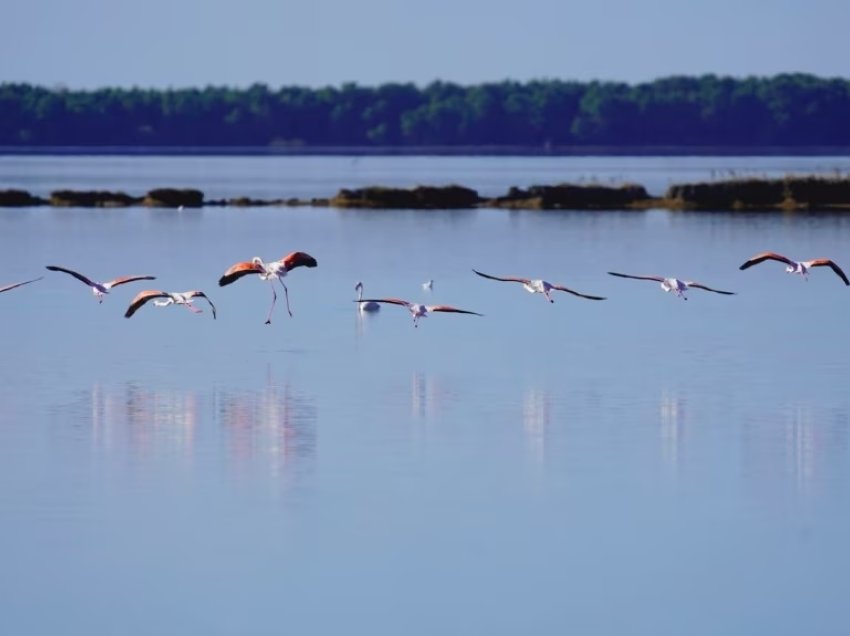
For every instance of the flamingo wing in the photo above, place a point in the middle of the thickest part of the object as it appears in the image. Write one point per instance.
(121, 280)
(13, 285)
(77, 275)
(825, 262)
(657, 279)
(508, 279)
(141, 298)
(450, 309)
(237, 271)
(766, 256)
(575, 293)
(391, 301)
(691, 283)
(200, 294)
(298, 259)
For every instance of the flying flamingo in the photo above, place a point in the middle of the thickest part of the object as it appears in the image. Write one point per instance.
(796, 267)
(171, 298)
(269, 271)
(678, 287)
(365, 306)
(420, 311)
(99, 289)
(13, 285)
(538, 286)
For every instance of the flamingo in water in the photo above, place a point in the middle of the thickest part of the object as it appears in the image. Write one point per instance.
(269, 271)
(675, 285)
(97, 288)
(365, 306)
(418, 310)
(163, 299)
(796, 267)
(14, 285)
(538, 286)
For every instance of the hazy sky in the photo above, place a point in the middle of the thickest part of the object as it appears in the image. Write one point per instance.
(160, 43)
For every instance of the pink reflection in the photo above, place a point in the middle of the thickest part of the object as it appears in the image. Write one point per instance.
(144, 421)
(272, 429)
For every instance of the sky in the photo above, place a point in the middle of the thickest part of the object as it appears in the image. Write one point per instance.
(85, 44)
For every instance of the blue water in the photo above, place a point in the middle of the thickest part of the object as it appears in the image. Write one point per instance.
(640, 465)
(277, 177)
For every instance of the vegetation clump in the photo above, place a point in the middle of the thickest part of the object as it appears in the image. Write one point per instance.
(420, 197)
(574, 197)
(91, 199)
(18, 199)
(174, 198)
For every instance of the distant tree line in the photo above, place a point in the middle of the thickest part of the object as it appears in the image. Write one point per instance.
(785, 110)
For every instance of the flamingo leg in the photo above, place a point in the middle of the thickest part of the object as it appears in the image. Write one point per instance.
(192, 308)
(271, 309)
(286, 293)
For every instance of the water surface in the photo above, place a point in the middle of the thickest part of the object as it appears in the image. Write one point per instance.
(640, 465)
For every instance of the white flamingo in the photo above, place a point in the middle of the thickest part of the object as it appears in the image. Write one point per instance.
(538, 286)
(365, 306)
(796, 267)
(14, 285)
(420, 311)
(675, 285)
(163, 299)
(269, 271)
(97, 288)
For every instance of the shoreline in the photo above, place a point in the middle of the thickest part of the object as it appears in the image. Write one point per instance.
(791, 193)
(431, 151)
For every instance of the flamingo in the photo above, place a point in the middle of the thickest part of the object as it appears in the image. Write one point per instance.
(796, 267)
(171, 298)
(367, 306)
(99, 289)
(13, 285)
(539, 286)
(678, 287)
(269, 271)
(420, 311)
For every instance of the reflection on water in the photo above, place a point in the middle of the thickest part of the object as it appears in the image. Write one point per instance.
(143, 421)
(274, 428)
(672, 415)
(271, 430)
(427, 396)
(536, 417)
(797, 449)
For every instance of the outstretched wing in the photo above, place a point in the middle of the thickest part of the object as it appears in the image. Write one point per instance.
(77, 275)
(13, 285)
(141, 298)
(657, 279)
(575, 293)
(449, 309)
(200, 294)
(298, 259)
(825, 262)
(237, 271)
(508, 279)
(391, 301)
(692, 284)
(126, 279)
(766, 256)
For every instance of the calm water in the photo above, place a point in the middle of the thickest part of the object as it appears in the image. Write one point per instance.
(305, 177)
(641, 465)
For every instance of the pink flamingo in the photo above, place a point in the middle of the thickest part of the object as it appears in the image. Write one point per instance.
(796, 267)
(269, 271)
(97, 288)
(170, 298)
(418, 310)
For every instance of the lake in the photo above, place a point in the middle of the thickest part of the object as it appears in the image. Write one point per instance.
(639, 465)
